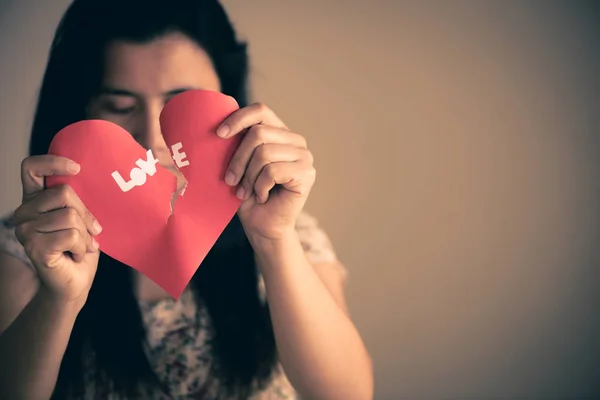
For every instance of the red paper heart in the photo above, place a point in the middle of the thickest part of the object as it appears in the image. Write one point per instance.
(138, 227)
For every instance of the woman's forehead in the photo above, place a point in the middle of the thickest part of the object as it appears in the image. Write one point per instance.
(167, 63)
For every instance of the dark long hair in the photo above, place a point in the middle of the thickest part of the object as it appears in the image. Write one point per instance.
(110, 324)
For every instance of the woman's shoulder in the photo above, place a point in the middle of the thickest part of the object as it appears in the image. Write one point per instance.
(315, 240)
(8, 240)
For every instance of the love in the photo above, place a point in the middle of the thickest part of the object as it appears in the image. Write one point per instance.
(147, 167)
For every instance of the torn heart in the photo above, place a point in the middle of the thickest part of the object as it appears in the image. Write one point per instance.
(132, 194)
(148, 167)
(180, 186)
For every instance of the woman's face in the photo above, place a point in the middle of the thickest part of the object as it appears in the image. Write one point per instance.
(140, 78)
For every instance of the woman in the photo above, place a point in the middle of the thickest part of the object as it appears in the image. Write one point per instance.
(264, 313)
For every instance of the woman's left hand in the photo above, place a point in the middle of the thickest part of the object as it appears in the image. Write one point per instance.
(272, 169)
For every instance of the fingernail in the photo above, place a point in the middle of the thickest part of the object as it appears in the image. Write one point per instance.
(95, 244)
(223, 130)
(96, 227)
(240, 193)
(230, 178)
(73, 167)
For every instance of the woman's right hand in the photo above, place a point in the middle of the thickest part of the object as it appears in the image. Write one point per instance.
(57, 230)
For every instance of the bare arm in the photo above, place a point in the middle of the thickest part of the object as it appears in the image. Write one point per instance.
(273, 171)
(34, 332)
(320, 349)
(38, 310)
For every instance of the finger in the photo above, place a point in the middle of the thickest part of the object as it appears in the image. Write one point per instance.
(69, 240)
(35, 168)
(55, 198)
(258, 135)
(296, 177)
(244, 118)
(264, 155)
(63, 219)
(49, 248)
(54, 221)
